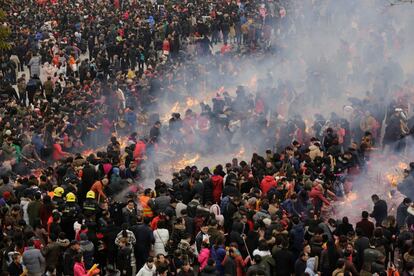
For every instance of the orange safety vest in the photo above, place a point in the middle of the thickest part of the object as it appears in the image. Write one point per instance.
(146, 210)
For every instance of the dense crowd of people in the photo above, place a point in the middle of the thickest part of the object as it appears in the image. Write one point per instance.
(81, 73)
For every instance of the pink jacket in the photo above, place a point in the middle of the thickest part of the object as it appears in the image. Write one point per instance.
(203, 257)
(79, 270)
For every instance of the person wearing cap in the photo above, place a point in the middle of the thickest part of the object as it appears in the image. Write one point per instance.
(70, 214)
(69, 257)
(90, 206)
(98, 188)
(58, 196)
(88, 250)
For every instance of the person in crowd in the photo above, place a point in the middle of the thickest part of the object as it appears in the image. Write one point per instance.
(380, 211)
(148, 269)
(33, 260)
(87, 142)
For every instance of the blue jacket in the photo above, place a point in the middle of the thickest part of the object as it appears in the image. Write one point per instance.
(218, 256)
(297, 234)
(33, 260)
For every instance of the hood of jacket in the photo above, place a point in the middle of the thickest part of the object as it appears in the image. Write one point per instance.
(298, 228)
(310, 263)
(313, 148)
(216, 178)
(145, 267)
(209, 269)
(237, 227)
(269, 179)
(86, 245)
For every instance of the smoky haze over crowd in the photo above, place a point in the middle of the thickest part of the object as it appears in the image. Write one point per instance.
(324, 55)
(325, 58)
(220, 137)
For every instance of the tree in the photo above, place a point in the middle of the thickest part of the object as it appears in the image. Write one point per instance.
(4, 32)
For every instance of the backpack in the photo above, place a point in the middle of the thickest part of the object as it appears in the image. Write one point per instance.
(215, 209)
(225, 201)
(339, 188)
(198, 222)
(192, 209)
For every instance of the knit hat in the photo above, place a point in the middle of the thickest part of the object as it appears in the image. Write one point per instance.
(6, 195)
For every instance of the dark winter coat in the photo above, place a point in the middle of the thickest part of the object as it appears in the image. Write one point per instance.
(380, 211)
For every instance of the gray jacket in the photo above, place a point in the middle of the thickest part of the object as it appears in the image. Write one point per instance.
(161, 203)
(34, 64)
(33, 260)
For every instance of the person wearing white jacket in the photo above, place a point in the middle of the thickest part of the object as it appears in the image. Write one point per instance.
(161, 236)
(148, 269)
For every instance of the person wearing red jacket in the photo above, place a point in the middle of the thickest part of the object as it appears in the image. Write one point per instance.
(166, 47)
(217, 181)
(58, 153)
(267, 183)
(317, 197)
(139, 152)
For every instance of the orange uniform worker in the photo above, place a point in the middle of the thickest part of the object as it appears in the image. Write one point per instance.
(146, 201)
(98, 188)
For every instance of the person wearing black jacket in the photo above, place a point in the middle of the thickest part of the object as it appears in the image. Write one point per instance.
(236, 237)
(144, 239)
(344, 228)
(230, 189)
(284, 260)
(229, 211)
(380, 211)
(88, 178)
(110, 233)
(300, 264)
(208, 188)
(123, 260)
(69, 257)
(15, 268)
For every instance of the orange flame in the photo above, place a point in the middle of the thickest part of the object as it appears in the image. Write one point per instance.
(352, 196)
(123, 141)
(403, 166)
(392, 179)
(252, 82)
(190, 102)
(185, 161)
(241, 152)
(87, 152)
(175, 108)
